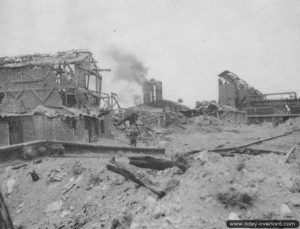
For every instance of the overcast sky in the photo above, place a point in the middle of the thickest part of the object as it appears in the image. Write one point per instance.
(186, 44)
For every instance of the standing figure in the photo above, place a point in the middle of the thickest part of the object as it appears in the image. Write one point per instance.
(133, 134)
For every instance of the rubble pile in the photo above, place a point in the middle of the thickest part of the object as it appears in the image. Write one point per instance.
(208, 107)
(76, 194)
(213, 191)
(212, 108)
(152, 122)
(183, 189)
(208, 124)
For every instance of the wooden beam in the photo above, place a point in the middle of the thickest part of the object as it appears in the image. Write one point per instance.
(154, 163)
(6, 81)
(30, 75)
(90, 71)
(39, 89)
(46, 97)
(135, 176)
(28, 81)
(252, 143)
(19, 94)
(289, 153)
(5, 222)
(37, 95)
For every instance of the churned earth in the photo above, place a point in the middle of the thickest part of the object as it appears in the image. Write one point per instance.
(81, 193)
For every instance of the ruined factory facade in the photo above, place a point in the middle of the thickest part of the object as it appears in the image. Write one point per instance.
(69, 78)
(153, 96)
(237, 93)
(234, 91)
(66, 80)
(152, 91)
(16, 129)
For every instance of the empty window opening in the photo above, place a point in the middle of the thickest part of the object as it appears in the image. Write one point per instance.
(15, 132)
(2, 95)
(102, 126)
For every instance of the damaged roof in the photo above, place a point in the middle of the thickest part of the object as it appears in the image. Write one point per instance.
(52, 112)
(65, 57)
(233, 78)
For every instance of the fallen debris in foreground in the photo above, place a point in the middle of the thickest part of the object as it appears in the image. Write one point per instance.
(252, 143)
(5, 219)
(135, 176)
(233, 198)
(155, 163)
(289, 153)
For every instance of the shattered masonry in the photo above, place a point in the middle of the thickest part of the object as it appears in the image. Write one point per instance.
(55, 97)
(68, 78)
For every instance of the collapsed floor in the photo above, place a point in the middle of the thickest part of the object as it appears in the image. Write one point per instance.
(82, 193)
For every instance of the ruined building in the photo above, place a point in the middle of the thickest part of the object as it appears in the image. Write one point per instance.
(237, 93)
(234, 91)
(152, 91)
(69, 78)
(66, 86)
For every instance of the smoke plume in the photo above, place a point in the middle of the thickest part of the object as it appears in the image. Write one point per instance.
(128, 67)
(129, 75)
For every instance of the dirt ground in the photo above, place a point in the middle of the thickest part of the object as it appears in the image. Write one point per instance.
(82, 193)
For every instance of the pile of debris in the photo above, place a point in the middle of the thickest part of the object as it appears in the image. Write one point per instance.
(212, 108)
(83, 194)
(150, 121)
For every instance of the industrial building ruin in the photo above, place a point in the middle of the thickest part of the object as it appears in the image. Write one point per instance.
(68, 78)
(237, 93)
(153, 96)
(234, 91)
(152, 91)
(52, 97)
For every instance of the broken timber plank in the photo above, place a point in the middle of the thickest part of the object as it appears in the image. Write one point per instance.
(252, 143)
(151, 162)
(135, 176)
(181, 127)
(5, 219)
(289, 153)
(249, 151)
(265, 150)
(155, 163)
